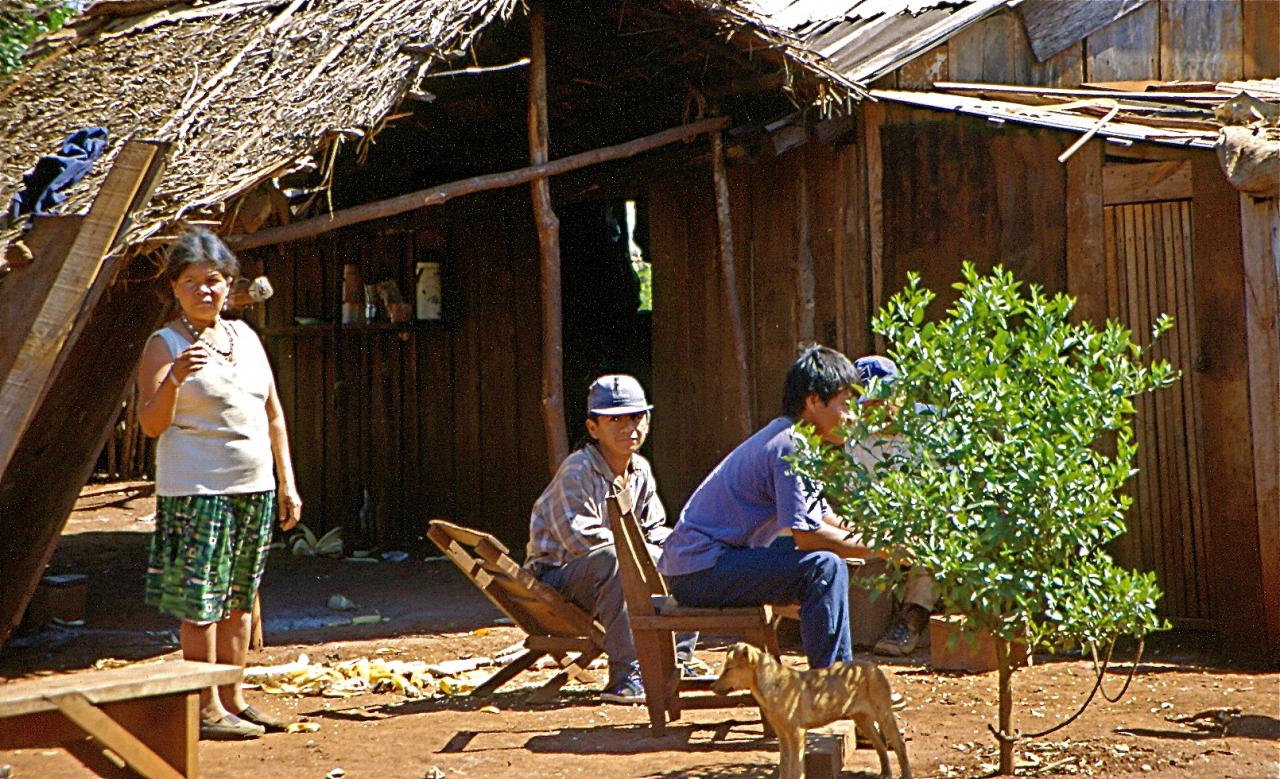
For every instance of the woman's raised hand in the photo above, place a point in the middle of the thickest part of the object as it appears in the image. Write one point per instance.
(190, 360)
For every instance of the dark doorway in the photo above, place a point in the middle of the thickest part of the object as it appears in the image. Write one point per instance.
(606, 328)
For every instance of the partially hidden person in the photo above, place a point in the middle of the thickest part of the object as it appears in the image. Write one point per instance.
(910, 627)
(223, 473)
(571, 545)
(730, 545)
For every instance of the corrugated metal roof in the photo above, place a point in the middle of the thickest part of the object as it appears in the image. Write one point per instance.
(1121, 128)
(861, 40)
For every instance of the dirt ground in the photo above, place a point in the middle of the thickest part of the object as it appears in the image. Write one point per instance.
(431, 613)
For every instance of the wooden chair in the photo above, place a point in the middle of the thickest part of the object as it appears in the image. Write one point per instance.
(555, 626)
(656, 617)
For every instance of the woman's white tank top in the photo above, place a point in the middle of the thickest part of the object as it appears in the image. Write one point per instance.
(219, 442)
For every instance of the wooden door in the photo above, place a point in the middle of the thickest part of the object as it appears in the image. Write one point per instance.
(1148, 238)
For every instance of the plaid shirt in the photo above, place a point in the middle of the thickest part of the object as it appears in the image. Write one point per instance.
(571, 517)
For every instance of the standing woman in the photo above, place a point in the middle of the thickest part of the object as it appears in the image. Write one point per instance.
(207, 391)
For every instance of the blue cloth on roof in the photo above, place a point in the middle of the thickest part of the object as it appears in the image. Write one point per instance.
(44, 185)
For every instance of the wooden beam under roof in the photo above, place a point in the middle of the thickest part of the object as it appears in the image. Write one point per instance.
(432, 196)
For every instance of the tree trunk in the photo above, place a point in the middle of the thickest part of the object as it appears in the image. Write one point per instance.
(1005, 677)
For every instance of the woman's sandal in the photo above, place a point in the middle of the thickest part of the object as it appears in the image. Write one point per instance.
(228, 729)
(269, 723)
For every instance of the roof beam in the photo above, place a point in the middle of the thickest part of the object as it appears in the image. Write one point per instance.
(432, 196)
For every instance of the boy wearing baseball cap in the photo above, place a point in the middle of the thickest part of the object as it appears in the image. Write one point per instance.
(909, 629)
(570, 543)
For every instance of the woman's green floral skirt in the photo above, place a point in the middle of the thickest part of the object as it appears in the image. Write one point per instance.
(208, 553)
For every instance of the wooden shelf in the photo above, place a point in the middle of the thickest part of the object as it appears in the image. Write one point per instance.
(332, 329)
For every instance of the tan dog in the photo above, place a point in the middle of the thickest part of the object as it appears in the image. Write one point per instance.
(794, 701)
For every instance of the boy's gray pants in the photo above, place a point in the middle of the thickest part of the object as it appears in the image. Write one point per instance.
(592, 582)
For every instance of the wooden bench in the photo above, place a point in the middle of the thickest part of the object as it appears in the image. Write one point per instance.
(147, 715)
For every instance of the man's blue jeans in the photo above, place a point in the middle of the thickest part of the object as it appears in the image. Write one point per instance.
(780, 574)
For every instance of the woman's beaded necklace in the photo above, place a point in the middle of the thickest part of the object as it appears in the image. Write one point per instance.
(227, 355)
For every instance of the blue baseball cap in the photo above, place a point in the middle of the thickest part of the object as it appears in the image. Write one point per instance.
(616, 394)
(873, 366)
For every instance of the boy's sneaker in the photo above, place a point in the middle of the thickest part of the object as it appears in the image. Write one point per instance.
(627, 690)
(695, 670)
(908, 632)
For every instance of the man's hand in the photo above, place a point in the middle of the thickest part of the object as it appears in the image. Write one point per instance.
(832, 539)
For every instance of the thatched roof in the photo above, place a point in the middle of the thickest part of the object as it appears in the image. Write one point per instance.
(249, 90)
(245, 89)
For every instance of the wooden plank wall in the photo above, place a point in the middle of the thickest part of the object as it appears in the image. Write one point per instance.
(433, 419)
(1149, 268)
(1163, 40)
(58, 450)
(1201, 40)
(799, 240)
(956, 190)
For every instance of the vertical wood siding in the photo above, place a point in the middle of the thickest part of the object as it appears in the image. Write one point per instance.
(799, 241)
(432, 418)
(1149, 267)
(1164, 40)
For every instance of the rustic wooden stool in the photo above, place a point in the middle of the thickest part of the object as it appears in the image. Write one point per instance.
(147, 715)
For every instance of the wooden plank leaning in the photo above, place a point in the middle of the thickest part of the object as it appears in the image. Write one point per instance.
(127, 186)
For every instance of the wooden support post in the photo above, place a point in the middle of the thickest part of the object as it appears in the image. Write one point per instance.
(1260, 229)
(873, 116)
(1086, 250)
(441, 193)
(806, 286)
(548, 244)
(127, 185)
(729, 280)
(67, 426)
(1226, 436)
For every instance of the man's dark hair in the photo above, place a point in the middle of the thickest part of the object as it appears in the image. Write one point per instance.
(819, 370)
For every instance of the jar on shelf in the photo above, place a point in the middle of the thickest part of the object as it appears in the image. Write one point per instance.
(352, 295)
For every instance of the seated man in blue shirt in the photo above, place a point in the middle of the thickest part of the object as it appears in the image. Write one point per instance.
(570, 541)
(726, 549)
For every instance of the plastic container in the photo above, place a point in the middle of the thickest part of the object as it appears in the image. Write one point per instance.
(352, 295)
(429, 304)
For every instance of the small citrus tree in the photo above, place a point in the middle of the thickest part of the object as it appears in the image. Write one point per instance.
(1011, 442)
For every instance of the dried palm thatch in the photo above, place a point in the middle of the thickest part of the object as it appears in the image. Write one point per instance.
(245, 89)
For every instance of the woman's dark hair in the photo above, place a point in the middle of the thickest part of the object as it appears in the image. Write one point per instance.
(819, 370)
(198, 245)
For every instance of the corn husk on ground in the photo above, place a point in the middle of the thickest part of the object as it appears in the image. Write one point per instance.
(410, 678)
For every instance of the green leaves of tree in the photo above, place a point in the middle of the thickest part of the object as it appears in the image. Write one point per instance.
(22, 21)
(1002, 471)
